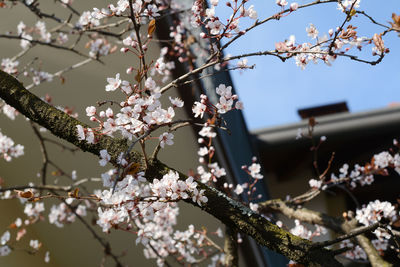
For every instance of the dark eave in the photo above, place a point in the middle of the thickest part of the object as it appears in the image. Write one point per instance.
(352, 136)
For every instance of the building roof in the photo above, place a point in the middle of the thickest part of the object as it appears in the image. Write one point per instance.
(352, 136)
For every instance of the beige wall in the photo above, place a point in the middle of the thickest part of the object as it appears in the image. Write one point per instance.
(73, 245)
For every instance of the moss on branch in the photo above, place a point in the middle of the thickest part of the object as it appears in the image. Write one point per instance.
(228, 211)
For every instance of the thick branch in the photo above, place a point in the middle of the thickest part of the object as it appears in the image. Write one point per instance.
(228, 211)
(303, 214)
(338, 225)
(231, 248)
(372, 254)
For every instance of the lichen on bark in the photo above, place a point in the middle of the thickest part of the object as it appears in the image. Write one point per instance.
(228, 211)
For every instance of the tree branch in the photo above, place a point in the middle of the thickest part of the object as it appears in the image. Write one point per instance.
(338, 225)
(228, 211)
(231, 248)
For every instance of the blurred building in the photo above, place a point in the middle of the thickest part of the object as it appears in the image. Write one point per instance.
(353, 138)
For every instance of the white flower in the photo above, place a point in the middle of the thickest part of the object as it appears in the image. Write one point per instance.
(9, 66)
(166, 138)
(224, 90)
(203, 151)
(199, 109)
(109, 113)
(312, 31)
(25, 41)
(207, 132)
(198, 196)
(210, 12)
(5, 238)
(253, 207)
(73, 175)
(251, 12)
(214, 26)
(239, 189)
(315, 184)
(176, 102)
(18, 222)
(299, 134)
(9, 111)
(242, 63)
(7, 148)
(380, 244)
(105, 157)
(255, 169)
(21, 27)
(88, 18)
(4, 251)
(81, 132)
(35, 244)
(383, 159)
(214, 2)
(47, 257)
(113, 83)
(151, 11)
(34, 211)
(219, 233)
(281, 3)
(150, 84)
(224, 105)
(90, 111)
(90, 136)
(348, 3)
(374, 211)
(294, 6)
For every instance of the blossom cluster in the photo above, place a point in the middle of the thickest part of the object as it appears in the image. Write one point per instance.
(62, 214)
(254, 170)
(375, 211)
(34, 210)
(362, 175)
(302, 231)
(9, 111)
(283, 3)
(138, 113)
(4, 248)
(40, 76)
(224, 104)
(8, 149)
(345, 5)
(357, 253)
(142, 10)
(367, 215)
(151, 209)
(161, 240)
(10, 66)
(208, 171)
(327, 47)
(100, 47)
(134, 197)
(162, 67)
(213, 24)
(26, 33)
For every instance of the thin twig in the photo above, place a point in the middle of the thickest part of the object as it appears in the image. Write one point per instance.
(353, 233)
(45, 160)
(339, 30)
(61, 72)
(42, 43)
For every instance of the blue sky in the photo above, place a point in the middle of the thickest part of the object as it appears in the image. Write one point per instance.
(274, 91)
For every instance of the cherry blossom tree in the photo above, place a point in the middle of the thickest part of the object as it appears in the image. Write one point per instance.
(140, 194)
